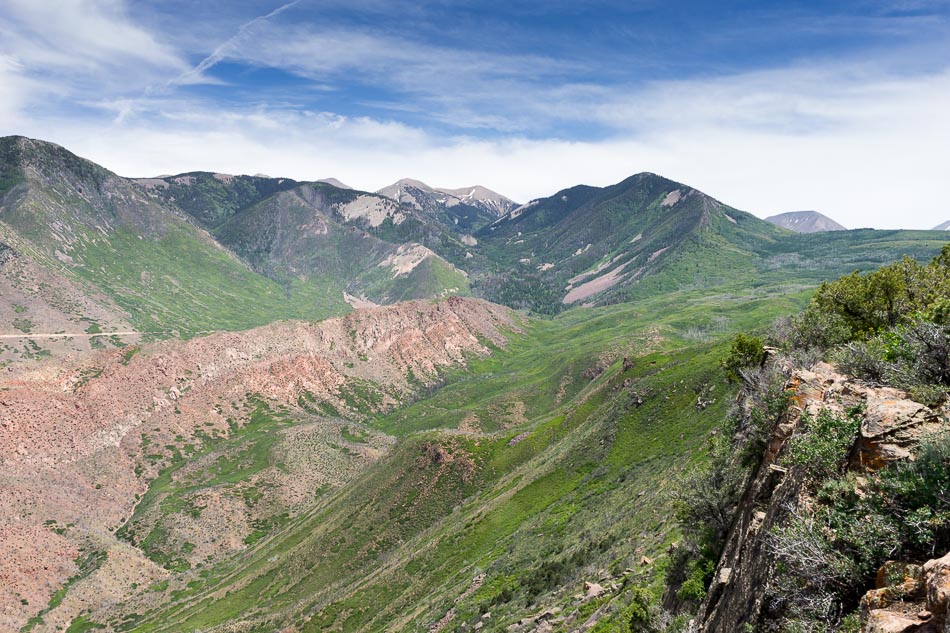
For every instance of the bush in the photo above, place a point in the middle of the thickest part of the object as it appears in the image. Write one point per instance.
(917, 494)
(812, 573)
(859, 306)
(909, 356)
(876, 301)
(766, 400)
(862, 359)
(817, 329)
(929, 352)
(699, 575)
(828, 554)
(642, 614)
(747, 352)
(821, 447)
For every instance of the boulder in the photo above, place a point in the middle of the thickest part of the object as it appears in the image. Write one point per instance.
(937, 583)
(881, 621)
(892, 425)
(593, 590)
(547, 615)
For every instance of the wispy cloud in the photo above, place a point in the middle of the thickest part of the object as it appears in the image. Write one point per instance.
(81, 36)
(56, 55)
(244, 34)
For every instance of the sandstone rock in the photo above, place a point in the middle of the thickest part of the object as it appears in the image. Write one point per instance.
(937, 580)
(896, 582)
(892, 425)
(881, 621)
(725, 575)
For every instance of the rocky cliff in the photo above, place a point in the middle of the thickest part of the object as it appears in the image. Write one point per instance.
(746, 584)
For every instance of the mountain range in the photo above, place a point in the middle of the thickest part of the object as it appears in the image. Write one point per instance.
(200, 251)
(247, 403)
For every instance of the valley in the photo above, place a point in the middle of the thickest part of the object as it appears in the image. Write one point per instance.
(242, 403)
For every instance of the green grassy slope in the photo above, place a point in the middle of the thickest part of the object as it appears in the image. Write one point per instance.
(170, 276)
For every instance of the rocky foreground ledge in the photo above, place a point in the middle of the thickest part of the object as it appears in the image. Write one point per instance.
(909, 597)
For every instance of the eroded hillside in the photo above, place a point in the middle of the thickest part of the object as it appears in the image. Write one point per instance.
(84, 442)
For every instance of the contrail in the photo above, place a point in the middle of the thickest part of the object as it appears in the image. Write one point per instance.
(221, 51)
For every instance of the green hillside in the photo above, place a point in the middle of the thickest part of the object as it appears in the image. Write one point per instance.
(298, 234)
(212, 199)
(169, 275)
(538, 467)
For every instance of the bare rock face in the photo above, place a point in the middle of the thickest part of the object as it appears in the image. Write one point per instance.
(888, 622)
(910, 598)
(896, 581)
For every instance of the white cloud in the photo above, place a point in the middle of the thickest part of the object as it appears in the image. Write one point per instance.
(16, 91)
(81, 34)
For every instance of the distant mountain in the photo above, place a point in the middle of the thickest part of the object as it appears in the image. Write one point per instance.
(122, 258)
(481, 197)
(335, 183)
(805, 222)
(85, 250)
(468, 209)
(286, 229)
(212, 198)
(942, 227)
(601, 245)
(82, 248)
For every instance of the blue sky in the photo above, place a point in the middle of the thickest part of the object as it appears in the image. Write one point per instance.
(842, 107)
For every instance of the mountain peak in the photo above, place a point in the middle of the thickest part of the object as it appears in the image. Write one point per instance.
(405, 182)
(805, 222)
(334, 182)
(417, 194)
(44, 157)
(945, 226)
